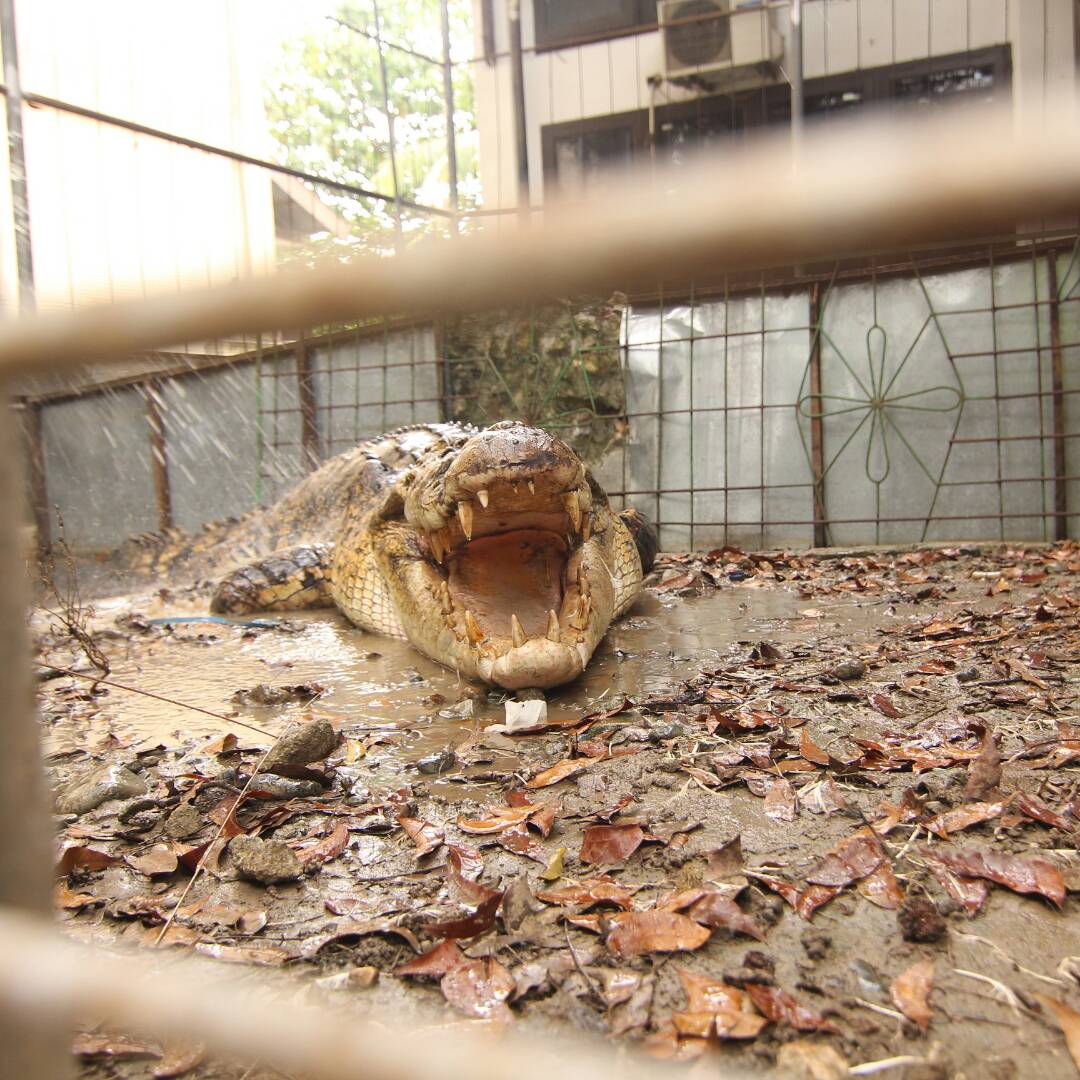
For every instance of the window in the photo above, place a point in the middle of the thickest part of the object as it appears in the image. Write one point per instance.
(578, 153)
(562, 22)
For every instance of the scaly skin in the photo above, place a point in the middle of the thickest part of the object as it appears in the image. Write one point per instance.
(493, 552)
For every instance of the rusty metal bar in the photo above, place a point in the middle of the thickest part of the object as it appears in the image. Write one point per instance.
(34, 441)
(1057, 382)
(817, 453)
(448, 101)
(20, 205)
(309, 420)
(159, 456)
(521, 146)
(30, 1052)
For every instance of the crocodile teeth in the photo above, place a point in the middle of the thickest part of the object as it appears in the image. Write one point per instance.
(583, 582)
(482, 497)
(553, 627)
(517, 632)
(444, 598)
(437, 548)
(472, 628)
(586, 527)
(573, 509)
(464, 513)
(580, 619)
(532, 488)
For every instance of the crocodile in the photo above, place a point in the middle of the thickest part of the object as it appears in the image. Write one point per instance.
(493, 551)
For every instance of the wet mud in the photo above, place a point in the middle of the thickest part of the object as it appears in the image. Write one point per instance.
(826, 711)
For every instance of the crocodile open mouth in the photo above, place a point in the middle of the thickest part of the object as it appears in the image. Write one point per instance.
(512, 565)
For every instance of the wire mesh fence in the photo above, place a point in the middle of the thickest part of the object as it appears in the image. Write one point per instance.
(913, 397)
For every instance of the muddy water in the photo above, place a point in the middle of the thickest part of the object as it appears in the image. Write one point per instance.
(374, 685)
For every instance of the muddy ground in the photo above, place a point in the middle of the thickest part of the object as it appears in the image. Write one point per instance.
(819, 810)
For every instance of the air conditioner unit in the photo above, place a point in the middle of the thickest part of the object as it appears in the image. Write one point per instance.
(734, 39)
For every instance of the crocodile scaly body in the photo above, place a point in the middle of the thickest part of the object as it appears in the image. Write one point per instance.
(494, 552)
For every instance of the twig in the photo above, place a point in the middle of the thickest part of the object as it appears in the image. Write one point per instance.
(879, 1009)
(868, 1068)
(1005, 956)
(584, 974)
(1002, 991)
(217, 836)
(157, 697)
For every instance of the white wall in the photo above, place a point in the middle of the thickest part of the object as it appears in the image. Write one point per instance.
(115, 215)
(839, 36)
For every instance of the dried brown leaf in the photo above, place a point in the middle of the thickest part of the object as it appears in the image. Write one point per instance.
(329, 847)
(477, 922)
(1022, 875)
(560, 771)
(781, 802)
(501, 817)
(263, 956)
(437, 961)
(160, 859)
(780, 1007)
(910, 992)
(479, 988)
(80, 857)
(882, 888)
(589, 893)
(115, 1047)
(963, 817)
(1068, 1019)
(641, 932)
(720, 912)
(178, 1060)
(423, 834)
(610, 843)
(851, 859)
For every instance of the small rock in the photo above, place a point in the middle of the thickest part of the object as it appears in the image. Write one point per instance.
(662, 732)
(111, 782)
(757, 960)
(848, 670)
(310, 742)
(183, 821)
(437, 763)
(265, 694)
(816, 944)
(530, 693)
(463, 710)
(920, 920)
(970, 675)
(358, 978)
(281, 787)
(264, 861)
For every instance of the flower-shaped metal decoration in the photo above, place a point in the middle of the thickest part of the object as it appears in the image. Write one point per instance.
(883, 398)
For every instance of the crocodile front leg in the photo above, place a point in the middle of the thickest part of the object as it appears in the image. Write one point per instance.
(288, 580)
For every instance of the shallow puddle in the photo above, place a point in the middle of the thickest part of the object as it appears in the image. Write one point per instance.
(379, 685)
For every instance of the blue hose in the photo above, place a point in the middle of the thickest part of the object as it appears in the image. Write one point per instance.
(262, 624)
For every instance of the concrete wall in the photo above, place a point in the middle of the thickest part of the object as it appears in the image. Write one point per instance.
(962, 448)
(232, 434)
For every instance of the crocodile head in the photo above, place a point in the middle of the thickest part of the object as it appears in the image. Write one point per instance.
(503, 559)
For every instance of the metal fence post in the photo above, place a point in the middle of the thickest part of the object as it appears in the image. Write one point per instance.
(28, 1053)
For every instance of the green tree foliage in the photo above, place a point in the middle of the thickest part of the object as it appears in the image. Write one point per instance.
(325, 105)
